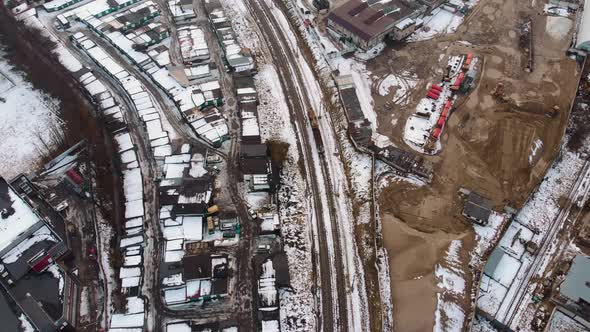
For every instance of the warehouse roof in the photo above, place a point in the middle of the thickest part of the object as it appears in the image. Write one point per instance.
(575, 286)
(367, 21)
(16, 216)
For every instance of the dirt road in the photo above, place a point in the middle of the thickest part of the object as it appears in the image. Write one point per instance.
(498, 149)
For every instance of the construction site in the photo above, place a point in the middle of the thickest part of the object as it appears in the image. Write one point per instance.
(499, 140)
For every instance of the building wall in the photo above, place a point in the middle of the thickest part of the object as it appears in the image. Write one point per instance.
(367, 44)
(398, 34)
(347, 34)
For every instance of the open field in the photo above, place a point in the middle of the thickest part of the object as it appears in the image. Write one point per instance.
(499, 148)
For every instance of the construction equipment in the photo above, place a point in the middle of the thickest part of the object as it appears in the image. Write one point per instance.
(498, 92)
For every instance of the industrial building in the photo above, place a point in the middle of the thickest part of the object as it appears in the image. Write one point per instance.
(359, 127)
(30, 278)
(367, 23)
(574, 293)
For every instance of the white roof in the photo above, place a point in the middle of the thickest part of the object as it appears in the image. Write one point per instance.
(270, 326)
(40, 235)
(178, 327)
(135, 305)
(122, 320)
(18, 222)
(175, 295)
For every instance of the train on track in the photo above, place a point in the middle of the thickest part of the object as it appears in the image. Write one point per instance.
(313, 120)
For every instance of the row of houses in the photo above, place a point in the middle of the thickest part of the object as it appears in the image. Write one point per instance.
(132, 241)
(258, 173)
(185, 189)
(142, 100)
(191, 224)
(193, 97)
(237, 58)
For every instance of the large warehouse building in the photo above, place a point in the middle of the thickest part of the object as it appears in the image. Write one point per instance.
(366, 24)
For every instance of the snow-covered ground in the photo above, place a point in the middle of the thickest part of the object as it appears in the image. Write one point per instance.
(440, 21)
(25, 324)
(558, 27)
(560, 322)
(357, 310)
(532, 223)
(84, 305)
(486, 236)
(297, 308)
(449, 316)
(402, 86)
(27, 118)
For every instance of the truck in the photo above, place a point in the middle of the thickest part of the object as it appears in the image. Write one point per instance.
(210, 225)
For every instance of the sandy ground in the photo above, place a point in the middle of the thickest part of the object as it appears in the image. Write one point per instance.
(487, 144)
(414, 255)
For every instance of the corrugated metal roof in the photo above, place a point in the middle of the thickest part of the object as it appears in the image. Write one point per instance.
(493, 261)
(367, 21)
(576, 285)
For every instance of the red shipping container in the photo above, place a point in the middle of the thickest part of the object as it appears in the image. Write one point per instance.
(432, 96)
(459, 79)
(436, 92)
(445, 112)
(436, 87)
(74, 176)
(436, 133)
(42, 264)
(441, 121)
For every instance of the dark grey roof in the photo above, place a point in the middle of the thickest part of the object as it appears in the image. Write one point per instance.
(192, 186)
(188, 209)
(39, 297)
(196, 267)
(480, 200)
(476, 211)
(478, 207)
(576, 285)
(253, 150)
(352, 105)
(36, 314)
(367, 21)
(254, 166)
(242, 82)
(219, 286)
(249, 108)
(281, 266)
(5, 201)
(8, 317)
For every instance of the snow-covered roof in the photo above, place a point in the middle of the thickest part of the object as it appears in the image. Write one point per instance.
(178, 327)
(270, 326)
(17, 216)
(127, 320)
(175, 295)
(40, 235)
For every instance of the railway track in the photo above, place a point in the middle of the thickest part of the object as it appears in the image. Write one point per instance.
(330, 275)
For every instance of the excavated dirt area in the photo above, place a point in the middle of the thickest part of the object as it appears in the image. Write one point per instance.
(498, 148)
